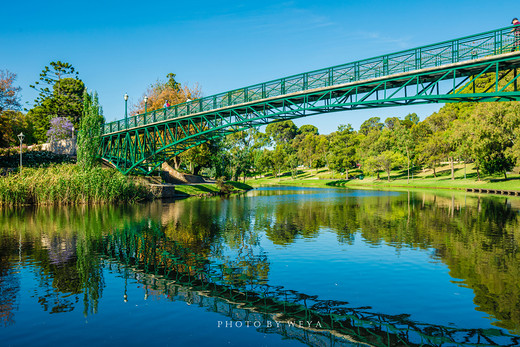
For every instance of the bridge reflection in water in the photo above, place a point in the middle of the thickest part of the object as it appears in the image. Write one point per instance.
(172, 269)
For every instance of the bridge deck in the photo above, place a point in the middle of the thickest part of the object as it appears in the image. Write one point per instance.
(418, 61)
(439, 73)
(428, 75)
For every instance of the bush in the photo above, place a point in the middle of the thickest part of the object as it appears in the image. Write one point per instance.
(223, 187)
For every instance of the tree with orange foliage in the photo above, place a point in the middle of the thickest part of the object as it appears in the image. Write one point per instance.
(160, 92)
(171, 91)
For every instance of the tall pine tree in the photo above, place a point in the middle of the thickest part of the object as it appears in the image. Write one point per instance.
(60, 95)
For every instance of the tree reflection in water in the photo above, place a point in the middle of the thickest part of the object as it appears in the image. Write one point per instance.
(145, 248)
(210, 246)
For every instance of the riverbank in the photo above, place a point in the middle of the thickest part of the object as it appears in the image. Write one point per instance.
(398, 179)
(68, 184)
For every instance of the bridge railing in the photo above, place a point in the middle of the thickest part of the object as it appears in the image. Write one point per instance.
(468, 48)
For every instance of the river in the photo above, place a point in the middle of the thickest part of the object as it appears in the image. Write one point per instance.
(273, 267)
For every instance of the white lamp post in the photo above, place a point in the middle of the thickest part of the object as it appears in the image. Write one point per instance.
(21, 136)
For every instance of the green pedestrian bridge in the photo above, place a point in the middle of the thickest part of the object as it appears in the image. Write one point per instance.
(444, 72)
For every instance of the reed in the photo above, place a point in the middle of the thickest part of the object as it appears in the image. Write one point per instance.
(68, 184)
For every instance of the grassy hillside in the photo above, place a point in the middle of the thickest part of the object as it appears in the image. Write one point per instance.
(421, 179)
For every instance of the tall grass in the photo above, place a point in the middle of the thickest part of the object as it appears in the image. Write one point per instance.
(67, 184)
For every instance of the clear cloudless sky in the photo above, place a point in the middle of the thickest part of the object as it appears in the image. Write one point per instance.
(122, 47)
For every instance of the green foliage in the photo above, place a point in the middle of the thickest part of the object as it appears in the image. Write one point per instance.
(60, 95)
(342, 154)
(223, 187)
(50, 77)
(495, 132)
(308, 129)
(13, 123)
(283, 131)
(199, 157)
(412, 117)
(67, 184)
(371, 124)
(236, 154)
(89, 135)
(172, 83)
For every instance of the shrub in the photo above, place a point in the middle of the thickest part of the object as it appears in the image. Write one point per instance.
(223, 187)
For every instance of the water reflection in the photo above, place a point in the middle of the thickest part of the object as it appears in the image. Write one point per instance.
(210, 251)
(59, 244)
(145, 248)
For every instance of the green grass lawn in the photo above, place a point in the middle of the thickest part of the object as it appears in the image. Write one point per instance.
(421, 179)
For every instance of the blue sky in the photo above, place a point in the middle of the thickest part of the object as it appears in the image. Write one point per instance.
(122, 47)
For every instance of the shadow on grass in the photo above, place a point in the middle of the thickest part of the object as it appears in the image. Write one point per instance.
(338, 183)
(504, 180)
(240, 185)
(470, 175)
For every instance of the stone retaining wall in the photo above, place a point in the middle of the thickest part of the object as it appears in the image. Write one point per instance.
(67, 147)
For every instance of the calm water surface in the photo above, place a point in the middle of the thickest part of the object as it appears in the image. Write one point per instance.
(277, 266)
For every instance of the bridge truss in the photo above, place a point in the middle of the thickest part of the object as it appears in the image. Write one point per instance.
(439, 73)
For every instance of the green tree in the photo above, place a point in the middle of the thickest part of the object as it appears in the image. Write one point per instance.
(343, 144)
(431, 151)
(405, 144)
(199, 157)
(51, 77)
(391, 122)
(495, 127)
(412, 117)
(235, 155)
(389, 160)
(11, 124)
(90, 131)
(371, 124)
(279, 158)
(264, 161)
(308, 129)
(60, 95)
(366, 152)
(281, 132)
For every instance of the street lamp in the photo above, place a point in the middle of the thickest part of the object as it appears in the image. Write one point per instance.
(126, 113)
(21, 137)
(145, 107)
